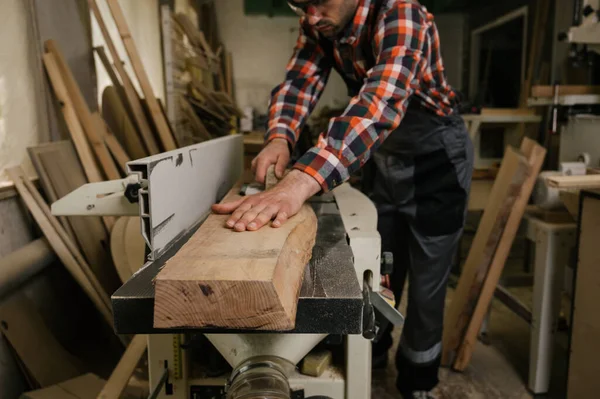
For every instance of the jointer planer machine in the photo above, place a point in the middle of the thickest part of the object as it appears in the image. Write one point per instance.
(340, 300)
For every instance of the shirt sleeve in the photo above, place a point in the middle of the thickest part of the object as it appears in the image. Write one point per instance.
(293, 101)
(381, 103)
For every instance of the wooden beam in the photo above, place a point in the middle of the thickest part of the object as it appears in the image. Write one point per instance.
(132, 97)
(535, 154)
(505, 191)
(158, 117)
(236, 280)
(564, 90)
(64, 248)
(75, 129)
(117, 382)
(83, 113)
(574, 182)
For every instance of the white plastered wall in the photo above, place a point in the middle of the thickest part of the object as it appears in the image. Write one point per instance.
(143, 20)
(261, 48)
(19, 110)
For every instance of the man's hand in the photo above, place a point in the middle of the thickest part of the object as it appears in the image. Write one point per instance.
(281, 202)
(275, 153)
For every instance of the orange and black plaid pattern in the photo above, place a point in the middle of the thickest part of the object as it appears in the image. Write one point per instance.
(407, 64)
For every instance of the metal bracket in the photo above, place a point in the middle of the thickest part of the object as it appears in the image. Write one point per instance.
(109, 198)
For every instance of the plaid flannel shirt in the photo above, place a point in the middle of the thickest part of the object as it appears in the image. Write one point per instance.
(408, 63)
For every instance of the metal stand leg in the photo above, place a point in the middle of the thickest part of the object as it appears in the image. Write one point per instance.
(551, 256)
(358, 367)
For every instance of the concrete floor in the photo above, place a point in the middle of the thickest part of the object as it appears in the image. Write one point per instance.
(498, 370)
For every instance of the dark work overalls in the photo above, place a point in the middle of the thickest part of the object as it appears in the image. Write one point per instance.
(419, 180)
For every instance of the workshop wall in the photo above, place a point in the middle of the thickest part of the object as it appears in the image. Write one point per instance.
(261, 47)
(143, 19)
(19, 110)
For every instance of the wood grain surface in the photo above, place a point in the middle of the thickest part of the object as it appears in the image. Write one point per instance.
(223, 278)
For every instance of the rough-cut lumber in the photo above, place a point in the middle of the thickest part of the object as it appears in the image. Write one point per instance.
(20, 265)
(223, 278)
(83, 113)
(62, 174)
(43, 356)
(132, 97)
(564, 90)
(75, 129)
(535, 154)
(584, 347)
(506, 189)
(158, 117)
(574, 182)
(120, 376)
(64, 248)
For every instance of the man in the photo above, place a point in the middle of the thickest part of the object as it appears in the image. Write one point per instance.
(402, 116)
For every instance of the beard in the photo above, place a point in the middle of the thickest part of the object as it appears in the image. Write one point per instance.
(330, 28)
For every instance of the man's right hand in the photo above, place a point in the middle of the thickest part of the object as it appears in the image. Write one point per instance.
(275, 153)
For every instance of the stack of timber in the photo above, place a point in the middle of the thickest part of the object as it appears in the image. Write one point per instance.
(200, 94)
(491, 245)
(97, 148)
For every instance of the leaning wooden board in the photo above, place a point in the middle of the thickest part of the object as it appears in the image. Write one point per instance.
(222, 278)
(62, 174)
(506, 188)
(535, 155)
(583, 381)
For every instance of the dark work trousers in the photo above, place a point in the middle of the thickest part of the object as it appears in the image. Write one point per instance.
(422, 177)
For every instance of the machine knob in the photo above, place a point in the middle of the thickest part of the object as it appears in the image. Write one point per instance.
(387, 263)
(587, 10)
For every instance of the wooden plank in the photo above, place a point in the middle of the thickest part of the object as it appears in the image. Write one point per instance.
(505, 190)
(535, 154)
(113, 145)
(71, 259)
(114, 79)
(98, 273)
(564, 90)
(229, 74)
(121, 125)
(507, 111)
(34, 155)
(574, 182)
(236, 280)
(132, 97)
(63, 174)
(90, 128)
(118, 152)
(158, 117)
(122, 373)
(47, 361)
(75, 129)
(584, 350)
